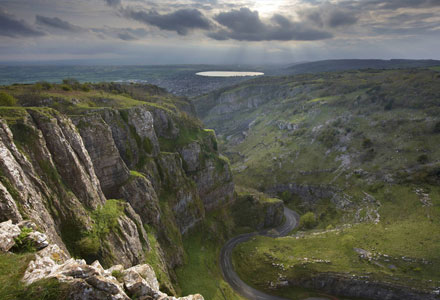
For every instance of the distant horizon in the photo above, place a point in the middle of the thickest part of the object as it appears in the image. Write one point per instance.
(97, 63)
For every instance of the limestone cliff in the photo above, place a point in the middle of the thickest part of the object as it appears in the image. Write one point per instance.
(62, 172)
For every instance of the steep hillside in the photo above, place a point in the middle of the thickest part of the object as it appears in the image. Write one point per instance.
(68, 150)
(356, 153)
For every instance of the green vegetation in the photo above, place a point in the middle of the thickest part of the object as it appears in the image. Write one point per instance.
(154, 260)
(357, 147)
(201, 272)
(307, 221)
(90, 244)
(22, 243)
(7, 100)
(12, 268)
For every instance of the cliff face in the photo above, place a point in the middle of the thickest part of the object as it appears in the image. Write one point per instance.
(62, 172)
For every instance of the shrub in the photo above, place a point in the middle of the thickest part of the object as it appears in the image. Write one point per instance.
(423, 159)
(329, 137)
(7, 100)
(22, 243)
(71, 81)
(118, 275)
(66, 87)
(85, 87)
(45, 85)
(307, 220)
(437, 127)
(389, 105)
(367, 143)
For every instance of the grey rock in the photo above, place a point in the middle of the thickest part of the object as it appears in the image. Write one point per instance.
(8, 207)
(108, 164)
(8, 232)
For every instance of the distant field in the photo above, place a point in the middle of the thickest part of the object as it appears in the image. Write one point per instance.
(180, 80)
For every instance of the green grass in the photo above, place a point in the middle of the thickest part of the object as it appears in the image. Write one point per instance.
(407, 229)
(90, 245)
(201, 272)
(12, 268)
(154, 260)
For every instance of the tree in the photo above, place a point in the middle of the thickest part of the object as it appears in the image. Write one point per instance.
(7, 100)
(307, 220)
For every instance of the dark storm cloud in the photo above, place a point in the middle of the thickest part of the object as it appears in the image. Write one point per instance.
(113, 2)
(330, 16)
(12, 27)
(57, 23)
(388, 4)
(395, 4)
(246, 25)
(181, 21)
(125, 36)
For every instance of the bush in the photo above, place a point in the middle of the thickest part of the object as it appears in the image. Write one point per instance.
(367, 143)
(423, 159)
(437, 127)
(307, 220)
(66, 87)
(329, 137)
(22, 243)
(7, 100)
(45, 85)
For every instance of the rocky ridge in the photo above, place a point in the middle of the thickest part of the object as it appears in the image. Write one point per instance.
(84, 281)
(62, 173)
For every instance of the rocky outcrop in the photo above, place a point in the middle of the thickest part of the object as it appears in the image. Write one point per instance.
(349, 286)
(255, 210)
(8, 233)
(70, 156)
(93, 281)
(108, 164)
(59, 172)
(274, 213)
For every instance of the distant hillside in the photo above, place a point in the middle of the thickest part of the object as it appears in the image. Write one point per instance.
(358, 148)
(355, 64)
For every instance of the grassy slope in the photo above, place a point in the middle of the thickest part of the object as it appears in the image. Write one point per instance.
(12, 268)
(201, 272)
(381, 122)
(407, 231)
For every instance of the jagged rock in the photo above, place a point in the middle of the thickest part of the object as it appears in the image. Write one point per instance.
(191, 156)
(142, 121)
(274, 213)
(8, 232)
(108, 164)
(186, 205)
(82, 290)
(71, 157)
(136, 285)
(215, 184)
(125, 244)
(164, 125)
(38, 239)
(142, 197)
(8, 207)
(21, 175)
(92, 281)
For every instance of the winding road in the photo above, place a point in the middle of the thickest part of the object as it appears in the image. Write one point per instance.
(291, 221)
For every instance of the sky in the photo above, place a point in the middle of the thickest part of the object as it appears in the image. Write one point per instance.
(216, 31)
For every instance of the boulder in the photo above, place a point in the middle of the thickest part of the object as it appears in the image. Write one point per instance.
(92, 281)
(8, 232)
